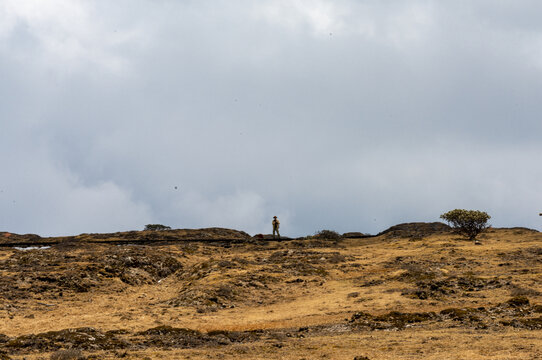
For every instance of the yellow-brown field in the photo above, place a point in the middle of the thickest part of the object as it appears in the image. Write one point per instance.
(430, 296)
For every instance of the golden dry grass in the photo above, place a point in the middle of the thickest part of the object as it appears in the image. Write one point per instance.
(369, 270)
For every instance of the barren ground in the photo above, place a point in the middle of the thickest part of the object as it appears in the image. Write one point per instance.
(411, 295)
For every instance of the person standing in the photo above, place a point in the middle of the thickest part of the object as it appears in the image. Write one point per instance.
(276, 225)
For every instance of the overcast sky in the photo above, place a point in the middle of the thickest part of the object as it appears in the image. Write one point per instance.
(342, 115)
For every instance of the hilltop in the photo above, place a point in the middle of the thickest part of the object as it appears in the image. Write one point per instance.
(127, 237)
(414, 291)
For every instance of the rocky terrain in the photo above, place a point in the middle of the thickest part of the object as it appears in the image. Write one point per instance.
(415, 291)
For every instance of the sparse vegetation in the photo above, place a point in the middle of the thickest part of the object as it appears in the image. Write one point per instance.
(469, 223)
(70, 354)
(157, 227)
(187, 297)
(328, 234)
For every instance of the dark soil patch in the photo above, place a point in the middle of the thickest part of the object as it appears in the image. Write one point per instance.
(532, 255)
(307, 256)
(214, 297)
(303, 269)
(205, 268)
(515, 313)
(462, 314)
(247, 288)
(433, 283)
(394, 320)
(50, 272)
(435, 289)
(80, 338)
(122, 262)
(529, 324)
(304, 262)
(167, 336)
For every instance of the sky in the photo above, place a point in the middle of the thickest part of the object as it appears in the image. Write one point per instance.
(342, 115)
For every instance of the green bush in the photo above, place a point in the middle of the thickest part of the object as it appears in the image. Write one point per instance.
(469, 223)
(328, 234)
(157, 227)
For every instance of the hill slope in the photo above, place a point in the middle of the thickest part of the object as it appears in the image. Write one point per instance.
(394, 296)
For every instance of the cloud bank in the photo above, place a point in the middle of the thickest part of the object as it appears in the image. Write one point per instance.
(344, 115)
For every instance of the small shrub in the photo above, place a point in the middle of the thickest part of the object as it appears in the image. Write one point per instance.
(70, 354)
(518, 301)
(157, 227)
(328, 234)
(469, 223)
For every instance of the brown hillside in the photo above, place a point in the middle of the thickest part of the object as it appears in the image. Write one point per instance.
(136, 237)
(430, 296)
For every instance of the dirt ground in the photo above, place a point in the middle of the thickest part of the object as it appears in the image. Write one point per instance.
(412, 293)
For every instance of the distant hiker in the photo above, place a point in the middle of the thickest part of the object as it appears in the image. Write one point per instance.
(276, 225)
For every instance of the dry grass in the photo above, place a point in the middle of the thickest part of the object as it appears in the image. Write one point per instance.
(376, 275)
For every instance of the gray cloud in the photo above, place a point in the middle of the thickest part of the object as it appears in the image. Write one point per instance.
(346, 115)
